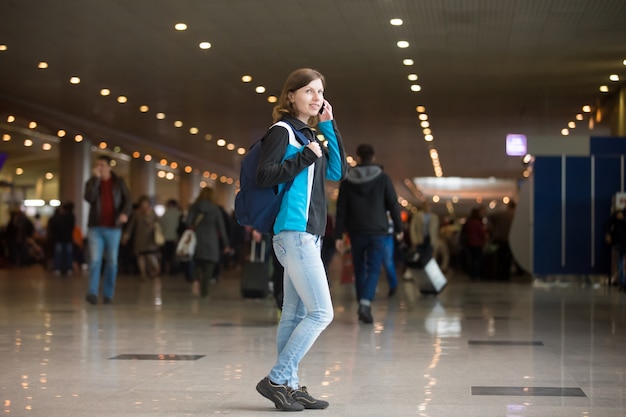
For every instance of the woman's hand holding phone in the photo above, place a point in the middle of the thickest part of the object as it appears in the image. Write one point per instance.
(327, 112)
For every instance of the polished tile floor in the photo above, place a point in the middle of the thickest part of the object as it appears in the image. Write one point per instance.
(479, 349)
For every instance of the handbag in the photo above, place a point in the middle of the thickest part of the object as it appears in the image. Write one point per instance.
(186, 248)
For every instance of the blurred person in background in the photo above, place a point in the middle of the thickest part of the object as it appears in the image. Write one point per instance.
(170, 223)
(206, 218)
(110, 205)
(59, 234)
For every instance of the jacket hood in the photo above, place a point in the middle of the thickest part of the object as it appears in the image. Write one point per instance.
(363, 173)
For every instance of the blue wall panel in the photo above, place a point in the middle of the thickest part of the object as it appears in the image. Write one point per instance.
(547, 215)
(577, 215)
(607, 146)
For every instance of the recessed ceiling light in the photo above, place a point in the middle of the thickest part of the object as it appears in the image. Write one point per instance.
(221, 142)
(623, 62)
(272, 99)
(423, 116)
(161, 174)
(188, 169)
(396, 22)
(208, 136)
(32, 125)
(412, 77)
(74, 80)
(193, 130)
(42, 65)
(402, 44)
(246, 78)
(178, 123)
(147, 158)
(163, 162)
(614, 77)
(428, 138)
(230, 147)
(117, 149)
(571, 125)
(10, 118)
(136, 154)
(420, 109)
(46, 146)
(122, 99)
(604, 89)
(205, 45)
(6, 137)
(564, 132)
(241, 151)
(174, 165)
(78, 138)
(49, 175)
(169, 176)
(19, 171)
(28, 142)
(416, 87)
(408, 62)
(587, 109)
(180, 26)
(102, 145)
(105, 92)
(144, 109)
(579, 116)
(160, 116)
(427, 131)
(260, 89)
(425, 123)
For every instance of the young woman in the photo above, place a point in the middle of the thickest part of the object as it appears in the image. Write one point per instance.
(299, 226)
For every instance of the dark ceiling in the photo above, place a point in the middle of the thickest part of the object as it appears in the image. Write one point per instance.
(486, 68)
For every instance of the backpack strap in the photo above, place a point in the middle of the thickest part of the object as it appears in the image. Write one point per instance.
(293, 132)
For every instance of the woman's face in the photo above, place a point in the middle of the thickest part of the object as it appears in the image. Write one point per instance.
(308, 100)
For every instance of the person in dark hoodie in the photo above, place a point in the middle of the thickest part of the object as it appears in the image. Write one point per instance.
(364, 199)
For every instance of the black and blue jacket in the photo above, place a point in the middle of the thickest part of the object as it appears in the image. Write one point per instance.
(284, 158)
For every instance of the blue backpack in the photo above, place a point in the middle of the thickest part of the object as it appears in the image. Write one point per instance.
(255, 206)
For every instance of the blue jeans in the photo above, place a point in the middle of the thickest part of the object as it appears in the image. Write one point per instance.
(307, 307)
(368, 252)
(389, 261)
(103, 242)
(63, 257)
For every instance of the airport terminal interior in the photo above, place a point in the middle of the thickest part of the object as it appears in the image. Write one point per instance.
(476, 109)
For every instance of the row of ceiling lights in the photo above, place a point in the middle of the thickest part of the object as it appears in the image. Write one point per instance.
(103, 146)
(588, 109)
(421, 110)
(75, 80)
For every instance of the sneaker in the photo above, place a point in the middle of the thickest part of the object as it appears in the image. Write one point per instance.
(303, 397)
(392, 292)
(280, 395)
(92, 299)
(107, 300)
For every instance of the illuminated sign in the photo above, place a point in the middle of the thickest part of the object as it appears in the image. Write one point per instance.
(516, 145)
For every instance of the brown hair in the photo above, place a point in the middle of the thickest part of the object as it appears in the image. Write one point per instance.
(207, 194)
(296, 80)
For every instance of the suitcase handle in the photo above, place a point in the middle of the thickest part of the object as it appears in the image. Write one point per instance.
(253, 251)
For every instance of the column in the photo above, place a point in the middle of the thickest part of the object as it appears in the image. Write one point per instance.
(74, 171)
(618, 115)
(189, 187)
(225, 196)
(142, 179)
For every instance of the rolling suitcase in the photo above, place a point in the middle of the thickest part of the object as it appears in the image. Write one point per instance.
(429, 280)
(256, 274)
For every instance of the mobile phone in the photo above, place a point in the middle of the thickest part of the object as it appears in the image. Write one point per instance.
(322, 108)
